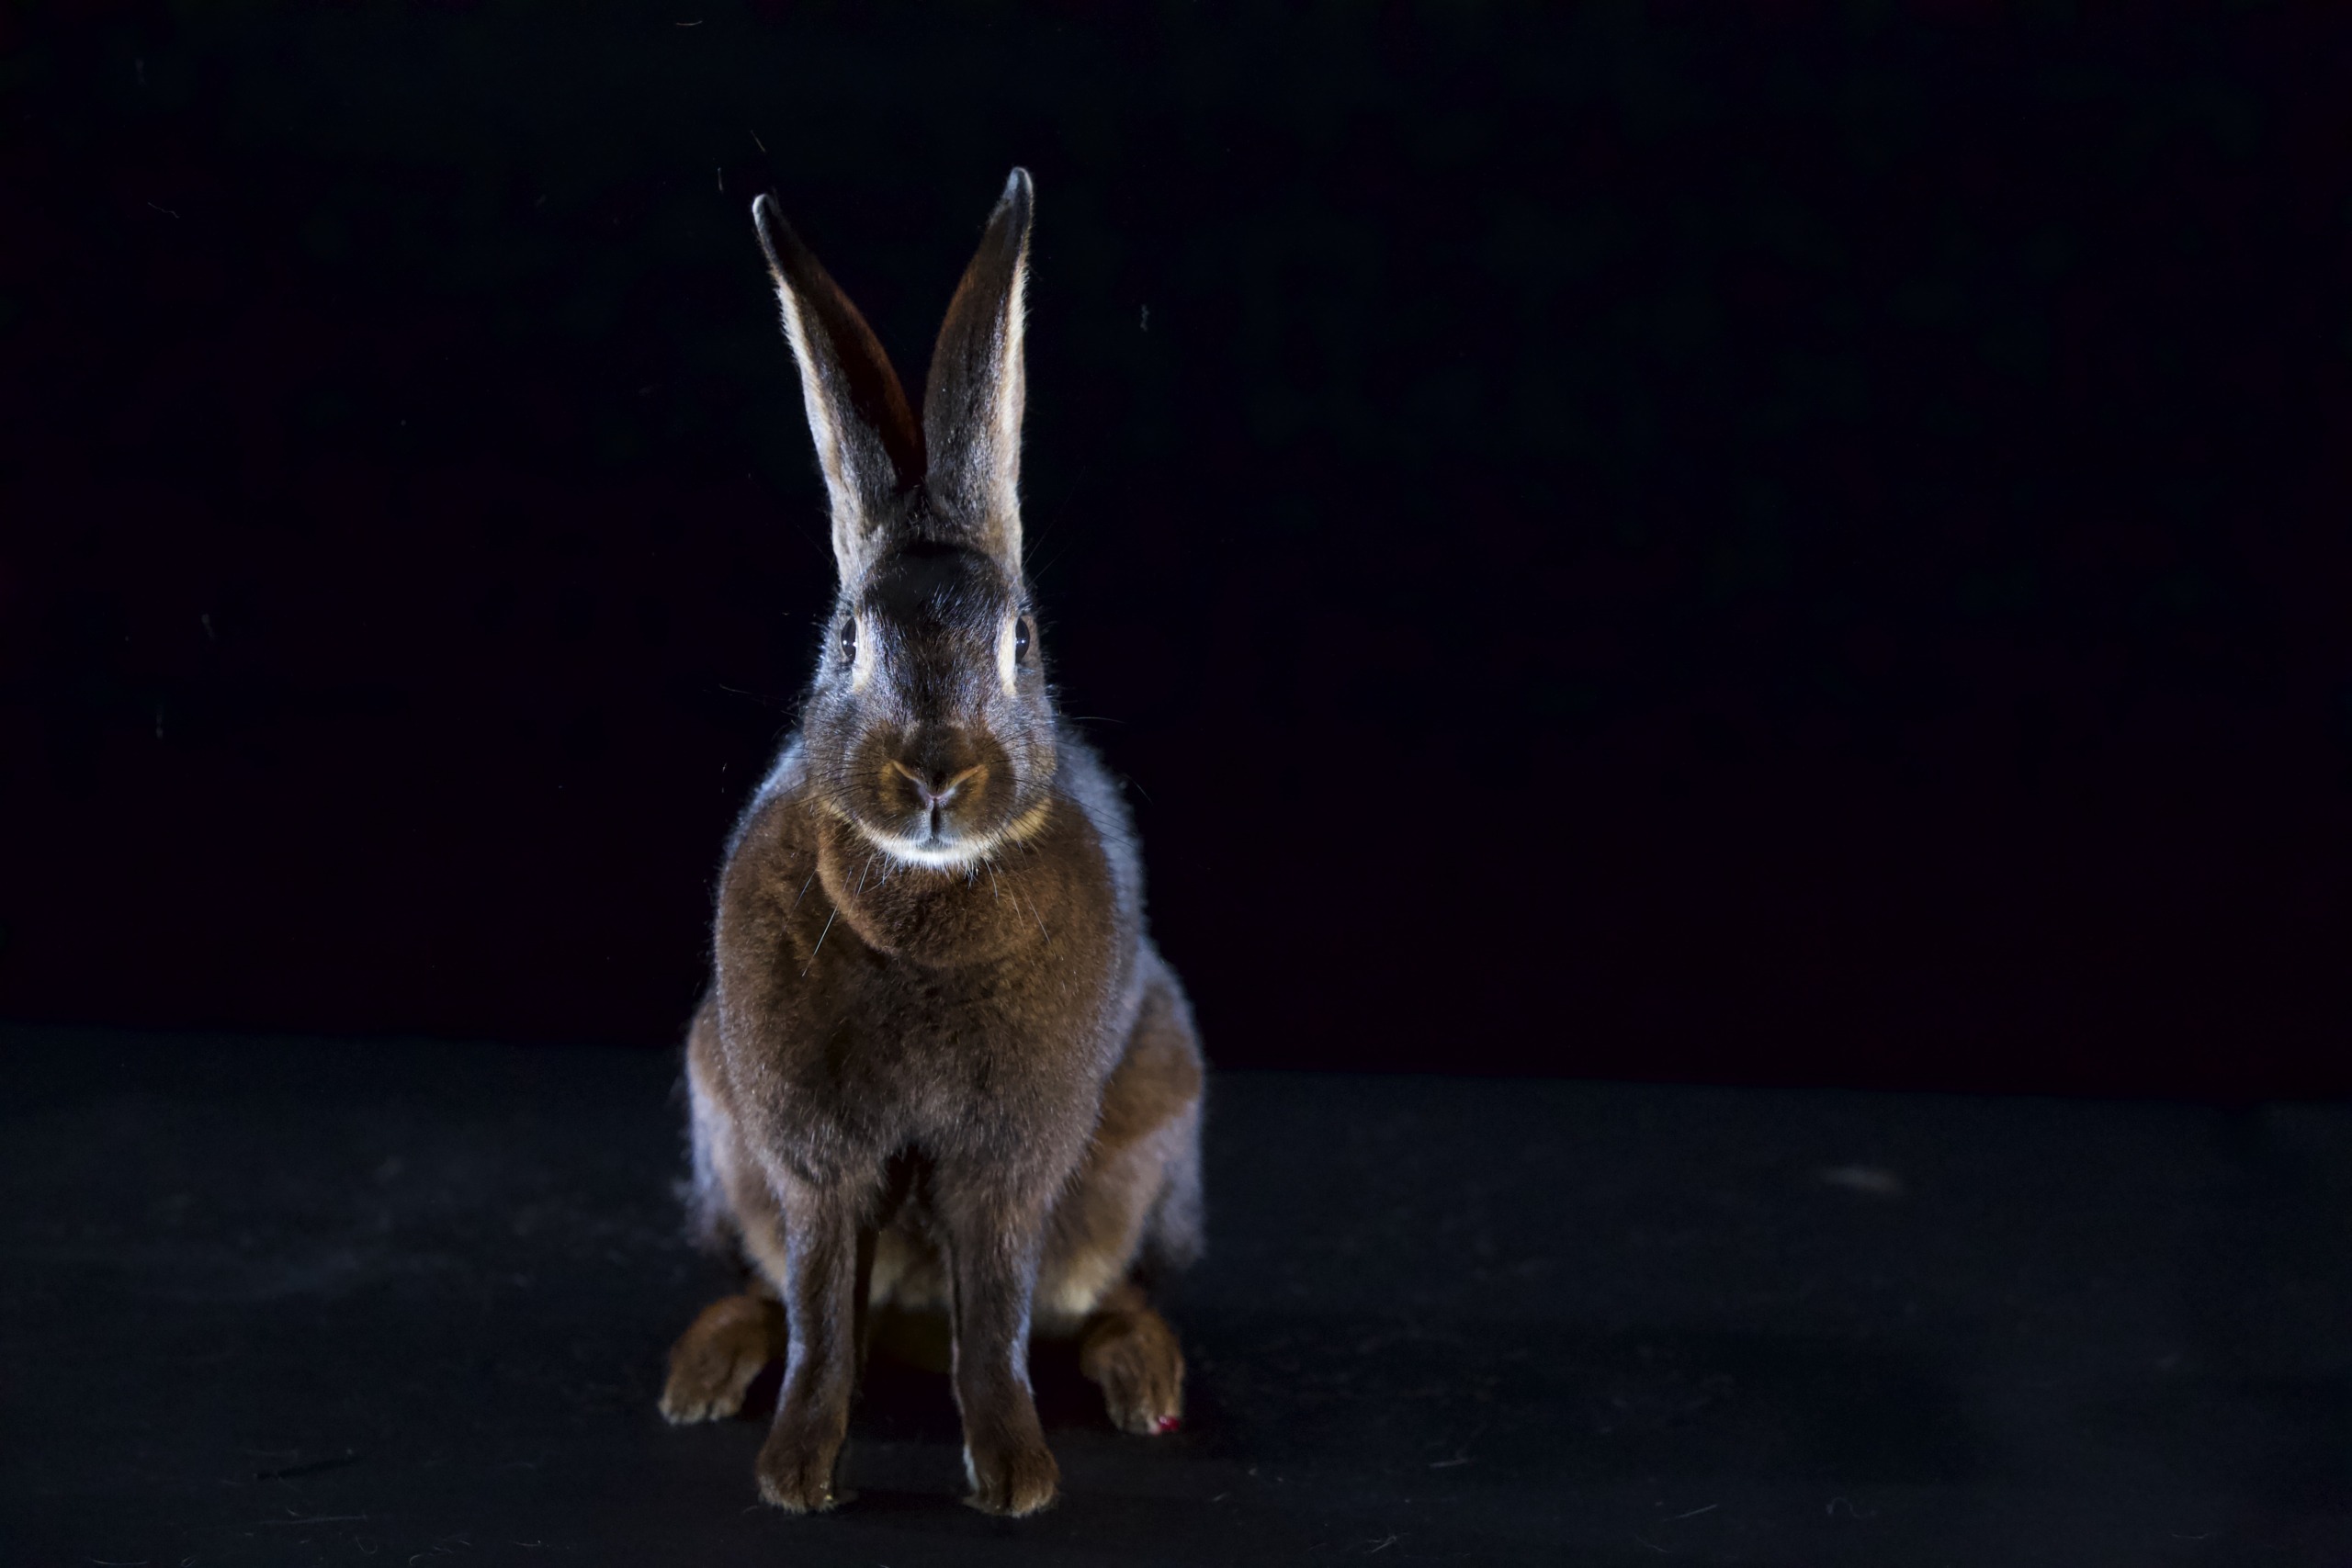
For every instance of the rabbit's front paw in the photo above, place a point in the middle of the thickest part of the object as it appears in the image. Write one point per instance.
(1014, 1477)
(719, 1355)
(795, 1470)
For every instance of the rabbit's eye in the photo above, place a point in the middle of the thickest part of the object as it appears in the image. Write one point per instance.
(1021, 640)
(849, 639)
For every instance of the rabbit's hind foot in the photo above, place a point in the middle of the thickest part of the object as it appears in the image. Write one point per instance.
(1129, 1350)
(719, 1355)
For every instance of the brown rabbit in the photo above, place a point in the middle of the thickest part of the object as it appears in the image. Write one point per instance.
(941, 1067)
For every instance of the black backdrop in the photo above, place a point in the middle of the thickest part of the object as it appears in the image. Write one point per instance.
(1650, 542)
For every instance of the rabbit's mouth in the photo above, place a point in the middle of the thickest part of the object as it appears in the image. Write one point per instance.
(931, 834)
(934, 841)
(938, 803)
(940, 796)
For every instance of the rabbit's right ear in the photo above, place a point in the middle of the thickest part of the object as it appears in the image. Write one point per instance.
(972, 403)
(868, 441)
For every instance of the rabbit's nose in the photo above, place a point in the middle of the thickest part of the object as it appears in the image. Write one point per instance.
(936, 786)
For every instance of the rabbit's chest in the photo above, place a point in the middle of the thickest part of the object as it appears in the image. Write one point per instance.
(872, 1007)
(908, 1032)
(897, 1052)
(955, 1065)
(1047, 905)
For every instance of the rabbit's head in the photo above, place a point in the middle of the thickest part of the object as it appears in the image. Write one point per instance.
(928, 726)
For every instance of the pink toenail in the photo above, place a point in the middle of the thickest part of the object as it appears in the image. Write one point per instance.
(1167, 1423)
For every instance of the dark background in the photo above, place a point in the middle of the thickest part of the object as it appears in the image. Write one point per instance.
(1656, 542)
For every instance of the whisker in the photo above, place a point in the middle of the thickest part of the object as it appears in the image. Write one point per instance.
(821, 940)
(774, 701)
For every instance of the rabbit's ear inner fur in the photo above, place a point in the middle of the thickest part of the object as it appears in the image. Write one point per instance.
(868, 442)
(972, 401)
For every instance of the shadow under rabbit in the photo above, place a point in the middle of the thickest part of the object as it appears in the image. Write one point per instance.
(1524, 1403)
(905, 1394)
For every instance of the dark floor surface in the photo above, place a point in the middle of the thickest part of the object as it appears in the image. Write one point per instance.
(289, 1301)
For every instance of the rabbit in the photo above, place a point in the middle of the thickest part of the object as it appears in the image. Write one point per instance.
(941, 1067)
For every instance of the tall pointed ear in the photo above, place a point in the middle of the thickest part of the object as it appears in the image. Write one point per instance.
(972, 401)
(868, 442)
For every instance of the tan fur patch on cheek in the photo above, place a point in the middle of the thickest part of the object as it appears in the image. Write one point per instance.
(1005, 671)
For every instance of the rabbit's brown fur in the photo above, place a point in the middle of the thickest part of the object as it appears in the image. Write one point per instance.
(940, 1068)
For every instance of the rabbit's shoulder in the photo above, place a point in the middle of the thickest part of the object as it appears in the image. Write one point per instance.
(787, 776)
(1082, 779)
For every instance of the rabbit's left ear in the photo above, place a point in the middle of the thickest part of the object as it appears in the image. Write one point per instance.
(866, 441)
(972, 401)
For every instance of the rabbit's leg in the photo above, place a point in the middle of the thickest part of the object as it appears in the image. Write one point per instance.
(736, 1336)
(1138, 1194)
(720, 1354)
(826, 1247)
(1131, 1352)
(994, 1241)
